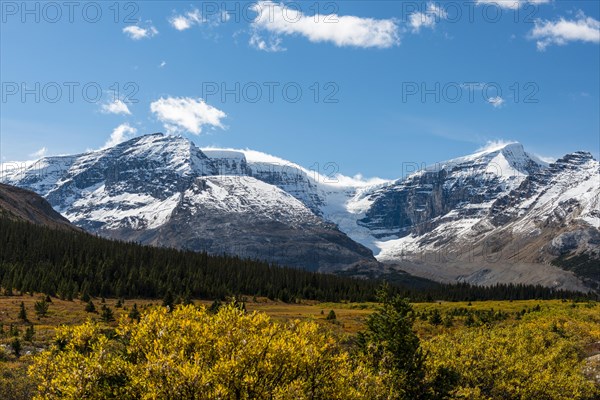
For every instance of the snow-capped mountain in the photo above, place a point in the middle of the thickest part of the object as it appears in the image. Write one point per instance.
(163, 190)
(492, 217)
(499, 215)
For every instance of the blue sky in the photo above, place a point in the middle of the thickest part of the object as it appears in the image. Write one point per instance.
(380, 80)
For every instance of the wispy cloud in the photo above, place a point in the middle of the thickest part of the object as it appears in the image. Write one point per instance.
(561, 32)
(271, 44)
(162, 64)
(120, 134)
(496, 101)
(494, 145)
(39, 153)
(511, 4)
(115, 107)
(426, 19)
(347, 30)
(186, 114)
(137, 32)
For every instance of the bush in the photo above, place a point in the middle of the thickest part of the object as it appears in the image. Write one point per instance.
(189, 353)
(538, 358)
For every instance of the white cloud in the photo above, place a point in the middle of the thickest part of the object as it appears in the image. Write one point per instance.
(162, 64)
(115, 107)
(346, 30)
(272, 45)
(428, 19)
(186, 114)
(584, 29)
(39, 153)
(136, 32)
(510, 4)
(187, 20)
(120, 134)
(496, 101)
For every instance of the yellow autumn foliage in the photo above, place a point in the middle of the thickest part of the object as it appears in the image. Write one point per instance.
(538, 358)
(192, 354)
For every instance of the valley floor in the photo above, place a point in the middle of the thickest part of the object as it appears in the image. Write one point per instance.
(436, 323)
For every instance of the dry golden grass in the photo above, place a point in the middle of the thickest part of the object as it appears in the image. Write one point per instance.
(350, 316)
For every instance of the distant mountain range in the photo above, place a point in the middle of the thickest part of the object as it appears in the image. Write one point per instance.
(500, 215)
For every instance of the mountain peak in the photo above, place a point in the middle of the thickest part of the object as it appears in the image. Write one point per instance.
(574, 159)
(501, 158)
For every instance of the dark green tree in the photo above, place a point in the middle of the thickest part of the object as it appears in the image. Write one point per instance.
(168, 300)
(134, 314)
(29, 332)
(90, 307)
(106, 314)
(22, 312)
(389, 344)
(331, 315)
(214, 307)
(16, 347)
(41, 308)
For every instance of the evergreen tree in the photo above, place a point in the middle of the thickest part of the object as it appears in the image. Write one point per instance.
(22, 312)
(41, 308)
(16, 347)
(106, 314)
(134, 314)
(90, 307)
(168, 300)
(29, 332)
(331, 315)
(215, 306)
(390, 345)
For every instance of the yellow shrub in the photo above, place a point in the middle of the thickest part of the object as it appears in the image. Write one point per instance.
(192, 354)
(538, 358)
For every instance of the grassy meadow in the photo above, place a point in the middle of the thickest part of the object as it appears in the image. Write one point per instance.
(448, 332)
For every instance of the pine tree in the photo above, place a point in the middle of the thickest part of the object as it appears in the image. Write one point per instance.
(168, 300)
(390, 344)
(22, 312)
(106, 314)
(29, 332)
(90, 307)
(331, 315)
(134, 314)
(16, 347)
(41, 308)
(214, 307)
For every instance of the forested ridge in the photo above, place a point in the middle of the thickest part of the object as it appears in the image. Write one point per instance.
(70, 264)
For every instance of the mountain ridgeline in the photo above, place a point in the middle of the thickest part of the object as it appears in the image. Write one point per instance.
(498, 216)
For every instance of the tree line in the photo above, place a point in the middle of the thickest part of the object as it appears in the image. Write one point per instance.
(75, 264)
